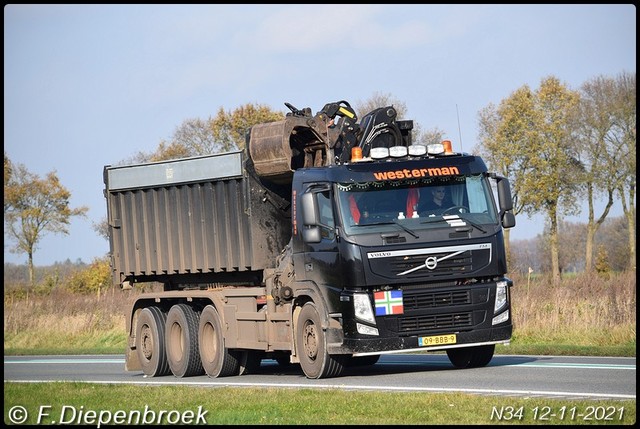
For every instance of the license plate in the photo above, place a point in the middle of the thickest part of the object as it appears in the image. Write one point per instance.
(437, 340)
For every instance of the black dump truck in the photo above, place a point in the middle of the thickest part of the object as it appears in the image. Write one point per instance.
(321, 243)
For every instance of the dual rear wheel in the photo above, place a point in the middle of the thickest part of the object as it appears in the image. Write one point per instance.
(183, 342)
(181, 337)
(217, 360)
(150, 344)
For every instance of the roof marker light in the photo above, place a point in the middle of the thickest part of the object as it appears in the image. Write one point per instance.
(379, 152)
(356, 154)
(435, 148)
(398, 151)
(417, 150)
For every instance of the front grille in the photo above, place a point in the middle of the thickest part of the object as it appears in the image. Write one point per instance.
(436, 299)
(434, 264)
(454, 309)
(458, 264)
(418, 324)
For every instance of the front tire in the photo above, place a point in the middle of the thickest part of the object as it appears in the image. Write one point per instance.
(471, 357)
(311, 344)
(217, 360)
(182, 341)
(150, 342)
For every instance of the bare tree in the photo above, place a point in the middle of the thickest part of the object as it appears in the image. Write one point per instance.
(34, 206)
(625, 119)
(599, 135)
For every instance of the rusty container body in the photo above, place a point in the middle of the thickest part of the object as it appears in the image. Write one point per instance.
(198, 220)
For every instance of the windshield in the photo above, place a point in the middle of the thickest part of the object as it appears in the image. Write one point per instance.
(430, 203)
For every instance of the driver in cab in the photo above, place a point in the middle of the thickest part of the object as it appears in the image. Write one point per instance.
(438, 200)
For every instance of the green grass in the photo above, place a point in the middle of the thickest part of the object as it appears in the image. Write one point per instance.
(82, 403)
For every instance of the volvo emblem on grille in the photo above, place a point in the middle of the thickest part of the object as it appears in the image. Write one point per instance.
(431, 262)
(434, 255)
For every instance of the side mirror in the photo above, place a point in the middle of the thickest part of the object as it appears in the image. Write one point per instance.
(311, 234)
(508, 220)
(504, 194)
(310, 212)
(310, 218)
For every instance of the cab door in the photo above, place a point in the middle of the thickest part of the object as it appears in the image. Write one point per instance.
(318, 233)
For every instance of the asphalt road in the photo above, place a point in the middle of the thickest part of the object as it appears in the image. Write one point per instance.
(517, 376)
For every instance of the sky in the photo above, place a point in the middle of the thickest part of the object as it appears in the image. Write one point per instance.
(92, 85)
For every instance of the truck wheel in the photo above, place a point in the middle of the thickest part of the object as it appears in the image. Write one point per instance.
(217, 360)
(182, 341)
(471, 357)
(311, 346)
(150, 344)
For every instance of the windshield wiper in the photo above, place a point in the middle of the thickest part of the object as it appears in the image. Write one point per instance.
(475, 224)
(391, 223)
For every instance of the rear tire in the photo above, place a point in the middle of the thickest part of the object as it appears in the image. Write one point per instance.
(217, 360)
(182, 341)
(150, 342)
(471, 357)
(311, 344)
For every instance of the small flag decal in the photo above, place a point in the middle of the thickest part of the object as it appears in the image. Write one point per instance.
(388, 302)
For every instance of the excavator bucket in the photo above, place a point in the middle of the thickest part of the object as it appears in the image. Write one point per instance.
(279, 148)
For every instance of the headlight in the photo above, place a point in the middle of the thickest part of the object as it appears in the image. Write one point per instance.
(500, 318)
(501, 296)
(362, 307)
(366, 329)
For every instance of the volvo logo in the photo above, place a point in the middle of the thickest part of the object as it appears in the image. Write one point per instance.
(431, 262)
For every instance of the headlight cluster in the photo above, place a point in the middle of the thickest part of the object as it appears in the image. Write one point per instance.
(363, 311)
(502, 298)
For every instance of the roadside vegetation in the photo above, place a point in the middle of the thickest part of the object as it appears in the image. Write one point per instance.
(78, 314)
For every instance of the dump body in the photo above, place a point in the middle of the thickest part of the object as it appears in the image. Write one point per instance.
(193, 220)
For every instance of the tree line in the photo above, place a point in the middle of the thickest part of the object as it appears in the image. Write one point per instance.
(560, 146)
(557, 146)
(533, 256)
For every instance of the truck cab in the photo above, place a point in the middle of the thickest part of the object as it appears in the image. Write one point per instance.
(398, 273)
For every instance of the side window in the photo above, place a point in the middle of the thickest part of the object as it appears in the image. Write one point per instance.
(326, 215)
(477, 196)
